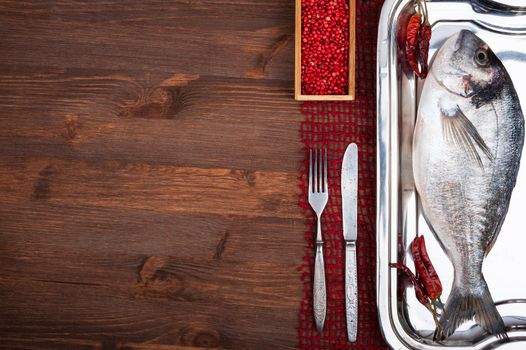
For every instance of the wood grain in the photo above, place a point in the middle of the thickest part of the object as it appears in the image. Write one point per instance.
(148, 175)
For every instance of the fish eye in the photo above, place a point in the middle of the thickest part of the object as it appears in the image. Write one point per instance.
(481, 57)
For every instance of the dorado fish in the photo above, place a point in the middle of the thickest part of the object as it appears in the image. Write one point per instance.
(467, 146)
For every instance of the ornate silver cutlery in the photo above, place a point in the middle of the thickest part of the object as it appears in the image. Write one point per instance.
(349, 186)
(318, 196)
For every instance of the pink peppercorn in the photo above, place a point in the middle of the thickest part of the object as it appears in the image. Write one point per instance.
(325, 47)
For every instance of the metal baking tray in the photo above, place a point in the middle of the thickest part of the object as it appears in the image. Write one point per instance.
(405, 323)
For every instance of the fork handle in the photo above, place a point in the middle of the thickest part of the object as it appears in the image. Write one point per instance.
(319, 289)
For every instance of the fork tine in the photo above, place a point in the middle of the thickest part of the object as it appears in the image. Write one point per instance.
(321, 169)
(325, 170)
(315, 171)
(310, 170)
(322, 183)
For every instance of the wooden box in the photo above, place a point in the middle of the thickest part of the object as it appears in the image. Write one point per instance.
(352, 53)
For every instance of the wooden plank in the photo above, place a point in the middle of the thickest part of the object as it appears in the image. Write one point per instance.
(148, 175)
(179, 119)
(163, 188)
(83, 344)
(137, 319)
(237, 38)
(24, 343)
(35, 231)
(131, 277)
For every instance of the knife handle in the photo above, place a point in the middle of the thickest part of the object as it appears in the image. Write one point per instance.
(319, 290)
(351, 291)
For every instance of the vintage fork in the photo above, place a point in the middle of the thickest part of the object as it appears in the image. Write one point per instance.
(318, 196)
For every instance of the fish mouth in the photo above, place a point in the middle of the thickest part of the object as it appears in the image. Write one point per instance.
(468, 85)
(477, 91)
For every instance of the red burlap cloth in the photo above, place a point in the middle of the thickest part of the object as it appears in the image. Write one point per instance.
(334, 125)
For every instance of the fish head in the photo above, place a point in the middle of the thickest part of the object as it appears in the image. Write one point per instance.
(466, 66)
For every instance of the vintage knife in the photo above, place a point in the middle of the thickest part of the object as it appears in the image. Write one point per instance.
(349, 187)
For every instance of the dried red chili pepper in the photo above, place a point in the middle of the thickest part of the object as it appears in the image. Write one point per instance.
(429, 279)
(411, 42)
(417, 39)
(419, 289)
(425, 38)
(427, 261)
(420, 292)
(430, 268)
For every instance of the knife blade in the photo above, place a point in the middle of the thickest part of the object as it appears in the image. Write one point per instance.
(349, 186)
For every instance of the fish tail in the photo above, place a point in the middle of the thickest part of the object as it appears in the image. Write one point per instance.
(461, 307)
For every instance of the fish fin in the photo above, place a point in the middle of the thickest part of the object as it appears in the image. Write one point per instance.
(463, 307)
(458, 129)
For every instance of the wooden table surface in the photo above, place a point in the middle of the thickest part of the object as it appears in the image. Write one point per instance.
(148, 171)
